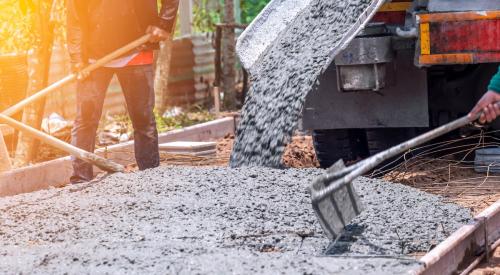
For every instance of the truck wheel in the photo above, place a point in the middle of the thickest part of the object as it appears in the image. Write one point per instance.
(332, 145)
(382, 139)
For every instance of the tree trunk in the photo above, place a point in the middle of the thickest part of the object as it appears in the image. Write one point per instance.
(229, 57)
(39, 63)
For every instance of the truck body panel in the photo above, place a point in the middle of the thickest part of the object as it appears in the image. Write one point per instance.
(403, 104)
(459, 37)
(436, 45)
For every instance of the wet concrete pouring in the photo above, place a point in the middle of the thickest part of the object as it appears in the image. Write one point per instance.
(215, 220)
(286, 72)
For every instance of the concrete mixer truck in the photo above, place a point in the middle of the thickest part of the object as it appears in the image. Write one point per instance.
(417, 64)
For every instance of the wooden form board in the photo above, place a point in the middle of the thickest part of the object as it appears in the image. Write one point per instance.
(56, 173)
(458, 250)
(188, 146)
(5, 164)
(6, 130)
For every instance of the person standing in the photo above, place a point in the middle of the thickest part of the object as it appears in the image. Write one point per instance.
(96, 28)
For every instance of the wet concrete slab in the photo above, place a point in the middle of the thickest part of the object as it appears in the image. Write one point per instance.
(215, 221)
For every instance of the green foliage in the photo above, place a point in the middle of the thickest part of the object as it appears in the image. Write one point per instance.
(207, 13)
(15, 27)
(250, 9)
(20, 21)
(195, 116)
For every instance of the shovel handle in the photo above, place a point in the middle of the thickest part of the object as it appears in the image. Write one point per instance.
(98, 161)
(118, 53)
(368, 164)
(72, 77)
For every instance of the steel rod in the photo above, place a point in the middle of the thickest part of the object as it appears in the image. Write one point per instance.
(365, 166)
(479, 259)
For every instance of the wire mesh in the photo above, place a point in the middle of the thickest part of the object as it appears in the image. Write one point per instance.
(447, 168)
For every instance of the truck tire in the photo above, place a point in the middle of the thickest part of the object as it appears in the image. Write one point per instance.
(382, 139)
(332, 145)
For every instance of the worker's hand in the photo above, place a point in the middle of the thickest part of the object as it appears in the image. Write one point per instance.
(77, 68)
(157, 34)
(487, 105)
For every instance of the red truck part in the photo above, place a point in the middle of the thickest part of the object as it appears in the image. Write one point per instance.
(459, 38)
(393, 13)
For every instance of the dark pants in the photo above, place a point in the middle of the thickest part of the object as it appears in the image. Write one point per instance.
(137, 86)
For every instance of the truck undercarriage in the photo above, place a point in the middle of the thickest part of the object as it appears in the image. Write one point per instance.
(417, 65)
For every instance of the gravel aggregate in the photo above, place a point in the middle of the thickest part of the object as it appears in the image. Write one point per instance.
(187, 220)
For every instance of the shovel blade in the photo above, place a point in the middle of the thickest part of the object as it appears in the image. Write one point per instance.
(339, 208)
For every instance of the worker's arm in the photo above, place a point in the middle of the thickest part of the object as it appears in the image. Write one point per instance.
(76, 24)
(487, 103)
(168, 14)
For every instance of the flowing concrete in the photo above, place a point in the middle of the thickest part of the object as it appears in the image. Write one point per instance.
(287, 71)
(215, 220)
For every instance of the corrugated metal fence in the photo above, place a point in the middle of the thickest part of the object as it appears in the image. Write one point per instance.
(192, 71)
(191, 76)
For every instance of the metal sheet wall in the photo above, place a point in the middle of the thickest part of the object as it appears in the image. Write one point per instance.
(192, 71)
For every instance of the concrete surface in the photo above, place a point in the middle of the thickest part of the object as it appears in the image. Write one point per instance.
(217, 221)
(56, 173)
(286, 72)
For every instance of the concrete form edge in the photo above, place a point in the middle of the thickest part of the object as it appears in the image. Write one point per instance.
(464, 244)
(56, 173)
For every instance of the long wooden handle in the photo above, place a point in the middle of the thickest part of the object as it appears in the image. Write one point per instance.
(118, 53)
(72, 77)
(98, 161)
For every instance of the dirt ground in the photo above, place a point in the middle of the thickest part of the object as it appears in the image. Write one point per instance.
(492, 268)
(459, 183)
(298, 154)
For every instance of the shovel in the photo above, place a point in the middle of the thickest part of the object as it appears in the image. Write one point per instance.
(333, 197)
(72, 77)
(94, 159)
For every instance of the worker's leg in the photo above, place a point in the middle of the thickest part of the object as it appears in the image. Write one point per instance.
(89, 102)
(137, 85)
